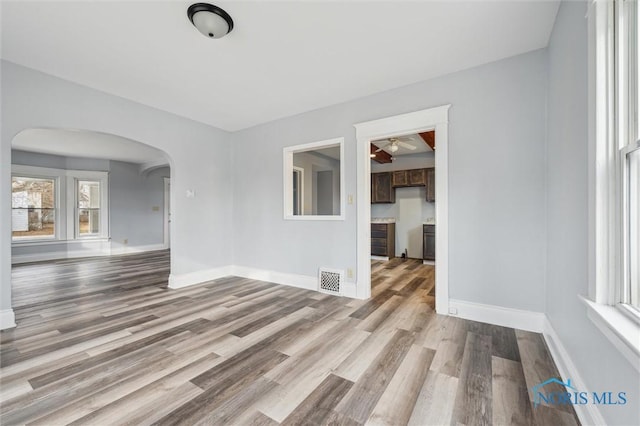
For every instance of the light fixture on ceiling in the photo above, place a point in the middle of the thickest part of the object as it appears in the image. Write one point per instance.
(210, 20)
(372, 155)
(393, 147)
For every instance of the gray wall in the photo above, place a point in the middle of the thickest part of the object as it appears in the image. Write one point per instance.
(496, 178)
(602, 367)
(131, 203)
(131, 200)
(201, 160)
(312, 163)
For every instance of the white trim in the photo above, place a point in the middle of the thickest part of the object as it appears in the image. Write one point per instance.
(300, 188)
(287, 181)
(7, 319)
(136, 249)
(166, 213)
(429, 119)
(293, 280)
(198, 277)
(588, 414)
(622, 331)
(384, 258)
(349, 290)
(498, 315)
(58, 255)
(103, 248)
(145, 168)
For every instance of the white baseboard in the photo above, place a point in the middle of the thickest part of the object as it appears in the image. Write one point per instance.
(588, 414)
(293, 280)
(72, 254)
(350, 289)
(384, 258)
(498, 315)
(198, 277)
(136, 249)
(7, 319)
(56, 255)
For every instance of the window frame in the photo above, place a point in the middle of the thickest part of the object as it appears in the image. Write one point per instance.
(612, 115)
(56, 206)
(104, 217)
(66, 203)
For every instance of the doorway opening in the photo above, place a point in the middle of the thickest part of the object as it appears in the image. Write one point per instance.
(403, 215)
(397, 127)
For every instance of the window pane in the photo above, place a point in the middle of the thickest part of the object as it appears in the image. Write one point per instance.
(88, 194)
(634, 227)
(33, 208)
(89, 221)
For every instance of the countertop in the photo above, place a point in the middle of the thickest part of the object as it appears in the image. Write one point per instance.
(383, 220)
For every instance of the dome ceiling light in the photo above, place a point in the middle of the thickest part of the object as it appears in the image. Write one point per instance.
(210, 20)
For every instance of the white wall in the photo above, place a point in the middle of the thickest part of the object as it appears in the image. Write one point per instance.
(496, 166)
(201, 160)
(601, 366)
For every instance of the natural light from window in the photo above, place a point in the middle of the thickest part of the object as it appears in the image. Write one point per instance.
(33, 212)
(88, 207)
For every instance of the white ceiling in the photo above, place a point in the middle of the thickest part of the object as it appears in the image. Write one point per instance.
(282, 57)
(86, 144)
(413, 139)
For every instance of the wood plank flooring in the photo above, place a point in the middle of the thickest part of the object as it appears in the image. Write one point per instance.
(103, 341)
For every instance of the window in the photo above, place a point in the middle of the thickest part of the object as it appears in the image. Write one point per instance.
(88, 216)
(33, 207)
(614, 85)
(54, 205)
(626, 137)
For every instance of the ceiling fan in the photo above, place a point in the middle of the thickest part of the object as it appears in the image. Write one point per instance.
(395, 144)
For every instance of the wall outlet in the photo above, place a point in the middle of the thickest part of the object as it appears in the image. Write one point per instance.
(453, 311)
(155, 208)
(125, 241)
(349, 273)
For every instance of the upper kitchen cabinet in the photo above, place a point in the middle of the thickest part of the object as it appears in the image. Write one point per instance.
(431, 185)
(414, 177)
(417, 177)
(382, 190)
(399, 178)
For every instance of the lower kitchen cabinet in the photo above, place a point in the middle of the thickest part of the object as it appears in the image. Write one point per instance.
(429, 242)
(383, 239)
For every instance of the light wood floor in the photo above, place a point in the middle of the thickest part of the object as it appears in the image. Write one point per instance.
(103, 341)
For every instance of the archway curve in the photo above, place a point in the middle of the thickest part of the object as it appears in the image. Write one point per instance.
(99, 145)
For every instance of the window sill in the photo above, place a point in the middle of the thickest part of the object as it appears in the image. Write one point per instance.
(54, 242)
(621, 330)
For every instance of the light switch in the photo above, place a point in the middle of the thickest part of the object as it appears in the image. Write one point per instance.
(191, 193)
(155, 208)
(350, 199)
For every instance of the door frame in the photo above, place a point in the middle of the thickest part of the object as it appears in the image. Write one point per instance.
(166, 215)
(437, 119)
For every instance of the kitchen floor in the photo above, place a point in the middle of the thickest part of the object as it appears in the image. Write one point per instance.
(405, 275)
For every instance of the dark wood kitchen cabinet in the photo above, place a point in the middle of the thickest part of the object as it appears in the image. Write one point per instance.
(417, 177)
(383, 239)
(399, 178)
(413, 177)
(381, 189)
(429, 242)
(431, 185)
